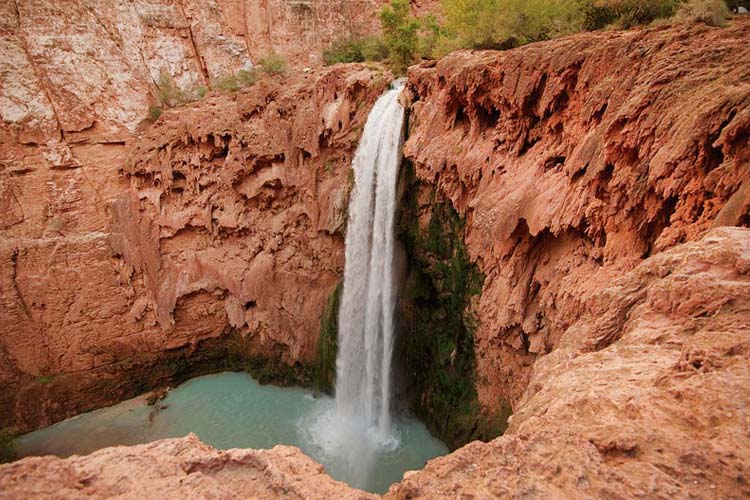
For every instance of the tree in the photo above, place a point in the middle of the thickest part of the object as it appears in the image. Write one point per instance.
(400, 33)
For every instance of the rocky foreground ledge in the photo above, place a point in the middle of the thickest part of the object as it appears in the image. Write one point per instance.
(174, 468)
(646, 396)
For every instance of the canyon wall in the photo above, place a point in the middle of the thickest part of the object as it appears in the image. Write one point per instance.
(568, 207)
(569, 162)
(133, 251)
(644, 396)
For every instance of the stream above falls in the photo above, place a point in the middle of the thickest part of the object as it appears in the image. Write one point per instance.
(232, 410)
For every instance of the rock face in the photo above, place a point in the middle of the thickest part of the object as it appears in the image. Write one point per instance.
(131, 252)
(591, 172)
(174, 468)
(571, 161)
(645, 395)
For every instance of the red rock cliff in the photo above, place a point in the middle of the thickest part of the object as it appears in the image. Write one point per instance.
(591, 172)
(126, 247)
(572, 160)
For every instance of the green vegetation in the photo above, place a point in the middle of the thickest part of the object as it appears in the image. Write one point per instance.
(371, 48)
(170, 94)
(324, 372)
(438, 341)
(266, 369)
(7, 447)
(154, 112)
(236, 81)
(403, 40)
(504, 24)
(45, 379)
(273, 64)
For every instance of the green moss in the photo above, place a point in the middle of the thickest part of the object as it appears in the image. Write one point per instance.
(45, 379)
(324, 372)
(263, 368)
(271, 370)
(438, 341)
(7, 447)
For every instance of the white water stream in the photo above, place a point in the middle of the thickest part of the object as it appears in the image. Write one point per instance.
(359, 430)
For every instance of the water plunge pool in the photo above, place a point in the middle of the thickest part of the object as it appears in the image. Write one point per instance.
(232, 410)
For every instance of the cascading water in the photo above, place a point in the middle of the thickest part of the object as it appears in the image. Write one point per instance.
(363, 365)
(358, 429)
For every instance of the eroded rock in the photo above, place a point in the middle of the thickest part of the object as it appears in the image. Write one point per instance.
(174, 468)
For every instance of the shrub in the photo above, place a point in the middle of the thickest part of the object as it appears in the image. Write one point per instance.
(345, 50)
(711, 12)
(227, 82)
(201, 91)
(502, 24)
(273, 64)
(404, 39)
(170, 94)
(7, 447)
(626, 13)
(235, 81)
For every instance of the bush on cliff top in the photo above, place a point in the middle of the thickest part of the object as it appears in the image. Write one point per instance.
(504, 24)
(402, 41)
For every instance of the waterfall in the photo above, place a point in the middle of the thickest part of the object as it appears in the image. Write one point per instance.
(363, 365)
(354, 434)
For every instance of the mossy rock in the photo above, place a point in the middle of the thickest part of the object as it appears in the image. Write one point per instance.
(438, 329)
(324, 371)
(7, 447)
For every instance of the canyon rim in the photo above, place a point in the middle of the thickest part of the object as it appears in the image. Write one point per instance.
(571, 247)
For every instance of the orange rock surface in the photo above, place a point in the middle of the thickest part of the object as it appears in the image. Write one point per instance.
(644, 396)
(125, 242)
(597, 175)
(174, 468)
(574, 159)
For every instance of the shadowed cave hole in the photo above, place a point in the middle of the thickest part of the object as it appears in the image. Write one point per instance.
(555, 162)
(659, 224)
(460, 117)
(488, 117)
